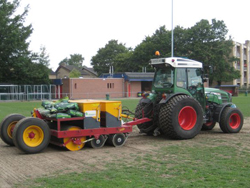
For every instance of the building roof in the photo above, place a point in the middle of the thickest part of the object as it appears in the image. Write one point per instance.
(131, 76)
(90, 69)
(81, 70)
(52, 72)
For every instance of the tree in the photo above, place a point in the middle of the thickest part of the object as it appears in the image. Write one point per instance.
(75, 59)
(123, 62)
(39, 69)
(15, 56)
(208, 44)
(74, 73)
(105, 57)
(203, 42)
(159, 41)
(18, 64)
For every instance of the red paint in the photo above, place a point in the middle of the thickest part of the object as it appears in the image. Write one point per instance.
(187, 118)
(60, 91)
(38, 115)
(31, 135)
(234, 121)
(129, 92)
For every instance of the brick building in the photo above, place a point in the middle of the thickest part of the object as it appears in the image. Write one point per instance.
(242, 51)
(93, 88)
(121, 85)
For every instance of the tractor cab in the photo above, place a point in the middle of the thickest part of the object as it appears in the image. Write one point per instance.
(178, 75)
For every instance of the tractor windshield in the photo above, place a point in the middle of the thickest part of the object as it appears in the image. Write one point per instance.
(164, 78)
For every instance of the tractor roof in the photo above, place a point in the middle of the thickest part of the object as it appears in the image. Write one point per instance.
(176, 62)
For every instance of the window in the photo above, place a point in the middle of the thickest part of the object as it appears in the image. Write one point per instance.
(181, 78)
(164, 78)
(110, 85)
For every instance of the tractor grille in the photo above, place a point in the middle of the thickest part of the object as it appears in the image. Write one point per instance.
(224, 98)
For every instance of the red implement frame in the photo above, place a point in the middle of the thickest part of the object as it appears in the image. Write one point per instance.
(96, 132)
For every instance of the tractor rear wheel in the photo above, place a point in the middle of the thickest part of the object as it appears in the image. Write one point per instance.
(231, 120)
(208, 126)
(31, 135)
(181, 117)
(144, 110)
(7, 126)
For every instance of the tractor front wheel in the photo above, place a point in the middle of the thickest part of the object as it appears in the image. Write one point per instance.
(181, 117)
(231, 120)
(7, 126)
(31, 135)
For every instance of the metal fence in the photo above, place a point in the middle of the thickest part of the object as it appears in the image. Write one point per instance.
(54, 96)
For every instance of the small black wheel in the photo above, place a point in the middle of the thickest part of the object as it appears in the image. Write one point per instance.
(98, 143)
(117, 140)
(208, 126)
(7, 126)
(231, 120)
(31, 135)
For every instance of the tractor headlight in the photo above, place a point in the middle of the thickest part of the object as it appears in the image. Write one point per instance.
(217, 94)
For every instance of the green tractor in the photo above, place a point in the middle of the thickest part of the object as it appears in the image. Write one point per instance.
(180, 106)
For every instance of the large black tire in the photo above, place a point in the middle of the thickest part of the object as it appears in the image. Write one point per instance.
(181, 117)
(231, 120)
(145, 108)
(31, 135)
(208, 126)
(7, 126)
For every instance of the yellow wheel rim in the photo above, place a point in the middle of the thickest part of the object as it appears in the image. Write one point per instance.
(10, 128)
(33, 136)
(70, 145)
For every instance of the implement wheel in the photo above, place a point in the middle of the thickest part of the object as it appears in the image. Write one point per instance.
(231, 120)
(144, 110)
(117, 140)
(7, 126)
(98, 143)
(208, 126)
(181, 117)
(31, 135)
(73, 143)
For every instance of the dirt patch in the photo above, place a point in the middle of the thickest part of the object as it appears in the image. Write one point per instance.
(16, 167)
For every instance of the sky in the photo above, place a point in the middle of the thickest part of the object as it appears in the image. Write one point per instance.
(67, 27)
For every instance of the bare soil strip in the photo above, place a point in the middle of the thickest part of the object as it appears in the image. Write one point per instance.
(16, 167)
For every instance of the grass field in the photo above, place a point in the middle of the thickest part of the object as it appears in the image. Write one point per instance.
(218, 162)
(25, 108)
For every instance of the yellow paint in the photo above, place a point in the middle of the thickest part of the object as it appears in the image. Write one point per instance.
(89, 105)
(112, 107)
(10, 128)
(70, 145)
(122, 129)
(38, 136)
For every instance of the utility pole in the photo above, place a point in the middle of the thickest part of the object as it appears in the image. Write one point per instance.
(172, 39)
